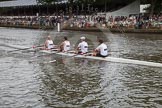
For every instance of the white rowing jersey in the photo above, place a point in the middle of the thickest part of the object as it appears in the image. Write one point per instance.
(83, 46)
(66, 46)
(103, 50)
(50, 44)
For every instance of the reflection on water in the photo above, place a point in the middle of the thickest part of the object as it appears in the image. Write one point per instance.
(81, 83)
(95, 83)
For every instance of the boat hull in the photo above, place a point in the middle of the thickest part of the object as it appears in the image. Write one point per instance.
(108, 59)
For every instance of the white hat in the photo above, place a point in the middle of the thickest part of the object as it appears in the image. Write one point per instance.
(82, 38)
(49, 37)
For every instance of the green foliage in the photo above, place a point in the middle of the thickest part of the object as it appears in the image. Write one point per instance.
(155, 4)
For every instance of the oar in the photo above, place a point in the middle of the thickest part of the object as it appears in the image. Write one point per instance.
(24, 48)
(52, 61)
(46, 54)
(75, 54)
(55, 52)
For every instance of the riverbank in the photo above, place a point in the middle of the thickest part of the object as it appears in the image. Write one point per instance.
(28, 27)
(118, 30)
(89, 29)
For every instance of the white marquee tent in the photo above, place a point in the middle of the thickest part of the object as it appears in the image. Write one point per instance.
(133, 8)
(15, 3)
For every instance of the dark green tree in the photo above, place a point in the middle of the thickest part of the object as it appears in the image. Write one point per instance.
(49, 2)
(156, 5)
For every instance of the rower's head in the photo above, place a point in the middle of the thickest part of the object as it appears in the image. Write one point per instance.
(100, 41)
(82, 38)
(49, 37)
(65, 38)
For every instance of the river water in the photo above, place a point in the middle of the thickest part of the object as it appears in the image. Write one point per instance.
(79, 83)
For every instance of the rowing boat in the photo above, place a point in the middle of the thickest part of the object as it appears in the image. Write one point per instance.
(109, 59)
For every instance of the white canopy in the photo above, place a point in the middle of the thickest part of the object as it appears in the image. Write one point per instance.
(133, 8)
(15, 3)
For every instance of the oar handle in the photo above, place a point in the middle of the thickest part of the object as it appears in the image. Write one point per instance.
(37, 46)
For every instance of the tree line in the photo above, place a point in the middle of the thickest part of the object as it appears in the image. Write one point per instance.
(156, 5)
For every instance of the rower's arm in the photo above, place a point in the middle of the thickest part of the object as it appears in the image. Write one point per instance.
(45, 44)
(62, 44)
(97, 49)
(78, 47)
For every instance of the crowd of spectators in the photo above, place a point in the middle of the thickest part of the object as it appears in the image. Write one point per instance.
(136, 21)
(84, 21)
(131, 22)
(29, 21)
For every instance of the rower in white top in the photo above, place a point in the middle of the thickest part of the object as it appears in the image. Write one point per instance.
(49, 43)
(101, 50)
(65, 45)
(82, 46)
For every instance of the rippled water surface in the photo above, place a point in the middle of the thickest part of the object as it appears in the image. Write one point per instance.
(27, 81)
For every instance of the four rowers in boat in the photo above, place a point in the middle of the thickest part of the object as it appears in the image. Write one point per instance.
(82, 48)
